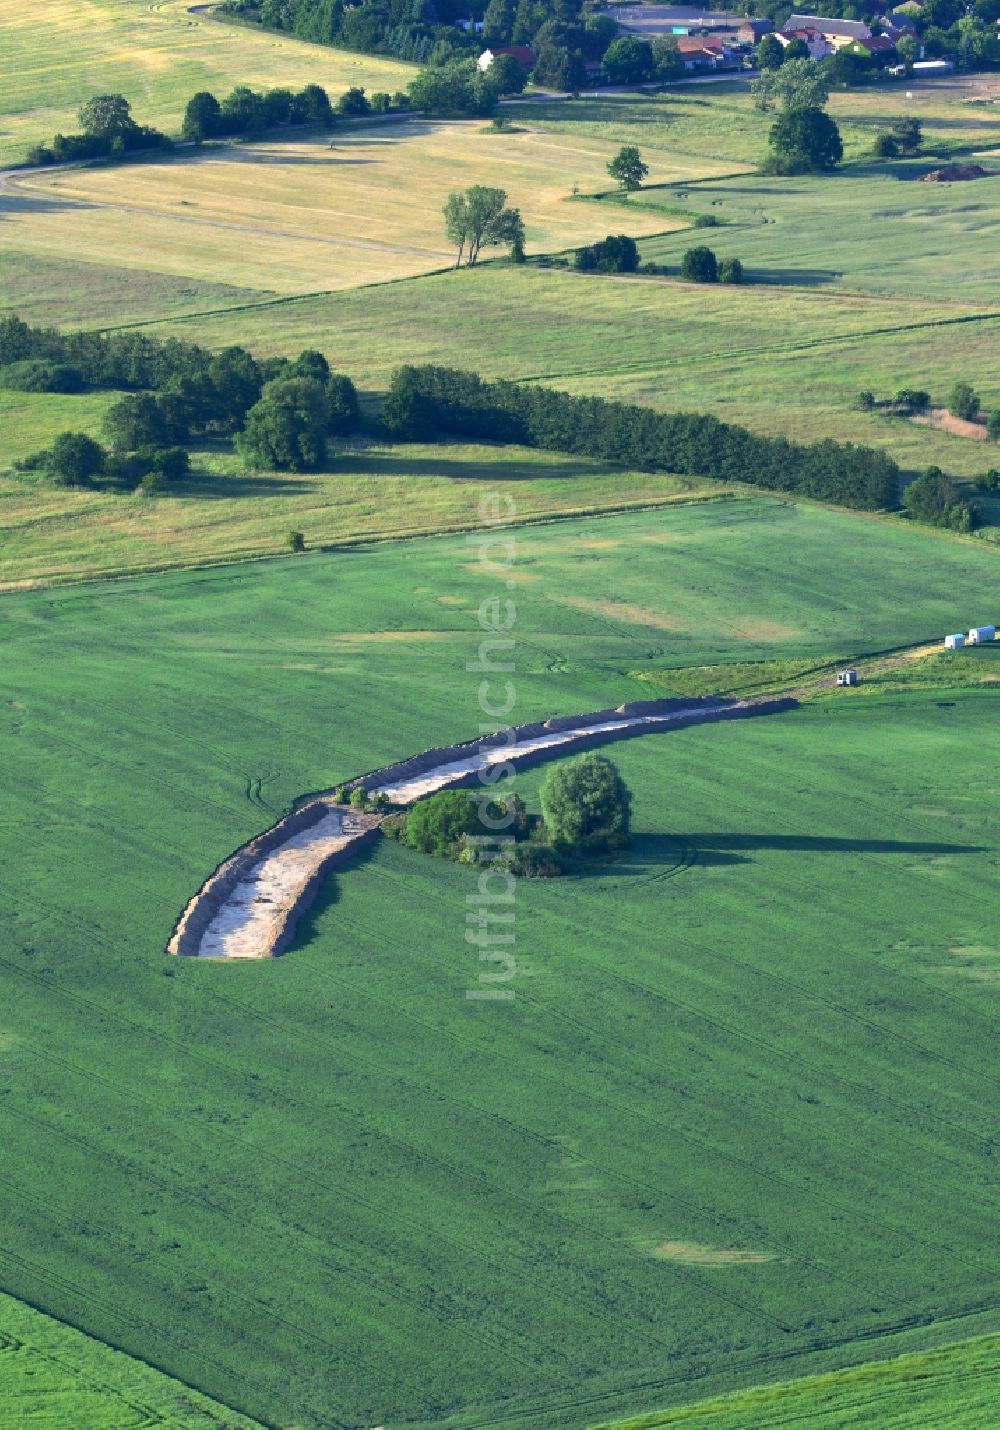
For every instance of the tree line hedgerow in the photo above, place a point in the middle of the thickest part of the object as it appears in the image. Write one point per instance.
(110, 132)
(423, 401)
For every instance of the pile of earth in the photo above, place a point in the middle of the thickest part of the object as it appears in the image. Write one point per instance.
(954, 173)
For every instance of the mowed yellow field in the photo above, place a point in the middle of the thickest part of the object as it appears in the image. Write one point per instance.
(310, 216)
(157, 55)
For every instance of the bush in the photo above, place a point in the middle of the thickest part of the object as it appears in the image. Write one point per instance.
(380, 102)
(74, 459)
(988, 481)
(38, 375)
(885, 146)
(912, 399)
(730, 271)
(706, 221)
(963, 402)
(296, 541)
(993, 424)
(585, 803)
(359, 797)
(151, 484)
(436, 825)
(353, 102)
(865, 401)
(699, 265)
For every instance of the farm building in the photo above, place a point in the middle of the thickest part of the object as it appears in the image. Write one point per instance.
(522, 53)
(979, 635)
(847, 677)
(837, 33)
(955, 642)
(751, 32)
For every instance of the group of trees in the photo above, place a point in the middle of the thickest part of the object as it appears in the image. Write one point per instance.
(424, 401)
(963, 402)
(935, 499)
(108, 131)
(803, 139)
(586, 812)
(700, 265)
(281, 410)
(615, 254)
(479, 215)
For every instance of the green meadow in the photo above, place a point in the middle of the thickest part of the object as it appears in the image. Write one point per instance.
(53, 1376)
(735, 1124)
(954, 1387)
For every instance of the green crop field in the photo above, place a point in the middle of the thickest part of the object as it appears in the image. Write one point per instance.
(735, 1124)
(157, 56)
(52, 1377)
(953, 1387)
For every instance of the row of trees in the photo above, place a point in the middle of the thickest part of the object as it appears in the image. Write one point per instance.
(424, 401)
(109, 131)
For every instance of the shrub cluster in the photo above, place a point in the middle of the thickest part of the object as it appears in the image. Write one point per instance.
(615, 254)
(461, 403)
(935, 499)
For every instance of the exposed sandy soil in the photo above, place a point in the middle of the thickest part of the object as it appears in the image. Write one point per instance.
(689, 1253)
(943, 421)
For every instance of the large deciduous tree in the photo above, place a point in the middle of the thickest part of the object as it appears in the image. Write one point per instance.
(478, 216)
(287, 428)
(627, 169)
(586, 803)
(804, 141)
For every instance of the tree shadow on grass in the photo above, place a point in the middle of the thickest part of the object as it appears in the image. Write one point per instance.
(210, 486)
(669, 854)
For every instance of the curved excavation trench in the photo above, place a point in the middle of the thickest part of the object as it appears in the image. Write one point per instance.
(250, 906)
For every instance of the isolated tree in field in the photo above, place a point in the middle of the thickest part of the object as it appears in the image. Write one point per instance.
(804, 141)
(296, 541)
(730, 271)
(585, 802)
(615, 254)
(797, 84)
(963, 402)
(201, 117)
(74, 459)
(627, 169)
(480, 215)
(286, 429)
(770, 53)
(106, 114)
(699, 265)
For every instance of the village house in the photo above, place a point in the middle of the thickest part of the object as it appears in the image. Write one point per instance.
(751, 32)
(817, 45)
(522, 53)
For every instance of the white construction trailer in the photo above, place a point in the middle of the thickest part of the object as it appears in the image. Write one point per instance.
(955, 642)
(847, 677)
(979, 635)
